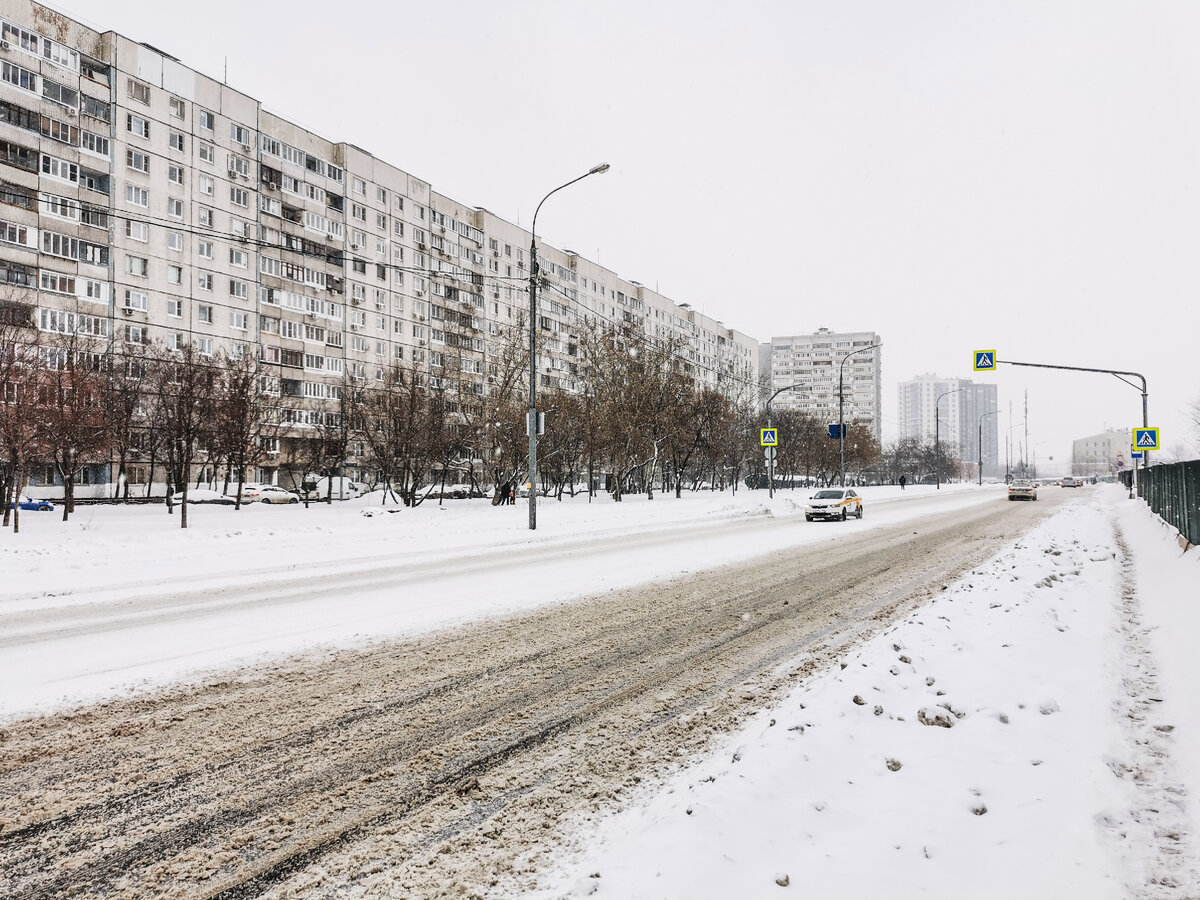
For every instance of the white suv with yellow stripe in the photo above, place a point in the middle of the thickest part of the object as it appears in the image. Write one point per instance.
(833, 503)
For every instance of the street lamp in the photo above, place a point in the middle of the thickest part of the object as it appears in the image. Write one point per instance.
(841, 414)
(771, 450)
(979, 446)
(937, 437)
(531, 422)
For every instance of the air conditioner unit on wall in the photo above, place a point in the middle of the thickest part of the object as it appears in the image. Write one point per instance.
(5, 45)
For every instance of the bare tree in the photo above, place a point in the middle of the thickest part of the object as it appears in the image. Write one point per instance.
(181, 383)
(404, 430)
(20, 376)
(74, 428)
(246, 419)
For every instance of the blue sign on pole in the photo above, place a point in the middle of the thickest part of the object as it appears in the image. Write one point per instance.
(985, 360)
(835, 431)
(768, 437)
(1145, 438)
(1136, 454)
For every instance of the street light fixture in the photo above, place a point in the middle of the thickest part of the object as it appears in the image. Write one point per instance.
(841, 414)
(937, 437)
(531, 422)
(979, 445)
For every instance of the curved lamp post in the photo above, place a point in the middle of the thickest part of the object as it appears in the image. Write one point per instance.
(531, 421)
(979, 446)
(937, 437)
(841, 415)
(771, 459)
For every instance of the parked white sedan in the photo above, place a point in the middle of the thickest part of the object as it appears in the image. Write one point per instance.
(833, 503)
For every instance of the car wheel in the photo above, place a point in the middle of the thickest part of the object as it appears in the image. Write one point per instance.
(808, 518)
(294, 500)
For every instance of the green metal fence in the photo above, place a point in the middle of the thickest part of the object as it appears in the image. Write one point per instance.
(1173, 493)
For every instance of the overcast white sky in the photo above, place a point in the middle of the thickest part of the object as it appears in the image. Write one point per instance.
(955, 176)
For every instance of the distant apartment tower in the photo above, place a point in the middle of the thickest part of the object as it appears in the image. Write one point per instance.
(1101, 455)
(964, 412)
(814, 364)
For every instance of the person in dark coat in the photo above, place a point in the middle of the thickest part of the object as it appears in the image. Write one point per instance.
(903, 482)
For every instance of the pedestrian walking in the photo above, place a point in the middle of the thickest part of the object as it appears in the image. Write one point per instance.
(903, 481)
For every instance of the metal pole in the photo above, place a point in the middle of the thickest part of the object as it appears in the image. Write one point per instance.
(771, 458)
(532, 418)
(937, 430)
(841, 413)
(980, 444)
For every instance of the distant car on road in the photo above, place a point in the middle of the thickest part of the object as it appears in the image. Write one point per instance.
(833, 503)
(1022, 489)
(1069, 481)
(29, 503)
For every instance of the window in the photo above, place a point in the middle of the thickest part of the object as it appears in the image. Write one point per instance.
(174, 208)
(238, 257)
(137, 265)
(60, 94)
(238, 320)
(204, 314)
(381, 195)
(175, 139)
(13, 234)
(22, 78)
(206, 185)
(381, 221)
(60, 169)
(359, 212)
(174, 307)
(207, 120)
(238, 289)
(204, 249)
(204, 346)
(174, 275)
(137, 231)
(57, 282)
(97, 109)
(137, 160)
(174, 241)
(360, 186)
(239, 165)
(239, 135)
(175, 174)
(136, 300)
(239, 196)
(178, 107)
(208, 153)
(138, 196)
(205, 217)
(139, 92)
(137, 125)
(204, 281)
(93, 143)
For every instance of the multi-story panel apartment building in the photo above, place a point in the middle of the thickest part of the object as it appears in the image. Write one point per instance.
(143, 202)
(965, 409)
(817, 365)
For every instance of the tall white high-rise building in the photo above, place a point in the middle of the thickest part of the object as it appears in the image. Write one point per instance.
(817, 365)
(964, 410)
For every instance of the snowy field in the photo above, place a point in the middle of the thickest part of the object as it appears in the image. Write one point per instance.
(121, 599)
(1031, 733)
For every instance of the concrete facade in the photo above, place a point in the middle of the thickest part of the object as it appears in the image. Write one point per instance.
(963, 413)
(142, 201)
(814, 364)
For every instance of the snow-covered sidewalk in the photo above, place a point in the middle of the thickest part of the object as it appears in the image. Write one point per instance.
(1014, 738)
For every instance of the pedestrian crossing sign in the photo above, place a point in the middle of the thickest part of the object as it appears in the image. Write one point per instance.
(768, 437)
(985, 360)
(1145, 438)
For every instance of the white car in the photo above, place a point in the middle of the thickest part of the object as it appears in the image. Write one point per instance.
(272, 493)
(833, 503)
